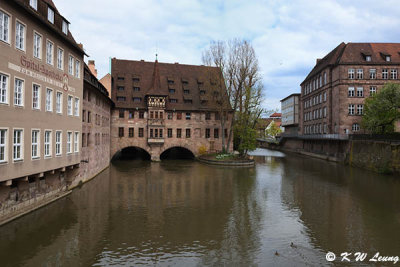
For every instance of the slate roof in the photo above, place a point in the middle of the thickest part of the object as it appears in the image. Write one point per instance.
(196, 87)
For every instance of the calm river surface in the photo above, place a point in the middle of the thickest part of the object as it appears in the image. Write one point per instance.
(184, 213)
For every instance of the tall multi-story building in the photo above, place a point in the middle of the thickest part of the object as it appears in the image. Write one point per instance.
(41, 84)
(159, 106)
(333, 93)
(290, 113)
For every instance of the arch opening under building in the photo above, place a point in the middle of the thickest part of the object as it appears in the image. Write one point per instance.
(177, 153)
(132, 153)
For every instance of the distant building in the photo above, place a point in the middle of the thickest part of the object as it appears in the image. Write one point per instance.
(333, 93)
(264, 124)
(159, 106)
(290, 113)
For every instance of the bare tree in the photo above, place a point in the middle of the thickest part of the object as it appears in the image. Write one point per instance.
(241, 75)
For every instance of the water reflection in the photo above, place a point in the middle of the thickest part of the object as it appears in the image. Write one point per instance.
(188, 214)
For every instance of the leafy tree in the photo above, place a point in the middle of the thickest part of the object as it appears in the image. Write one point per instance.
(382, 110)
(273, 130)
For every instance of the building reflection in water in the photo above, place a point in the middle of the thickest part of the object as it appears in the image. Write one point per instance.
(344, 209)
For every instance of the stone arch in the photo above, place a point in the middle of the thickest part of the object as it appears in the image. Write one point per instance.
(177, 151)
(132, 149)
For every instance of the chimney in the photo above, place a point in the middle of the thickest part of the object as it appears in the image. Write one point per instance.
(92, 67)
(318, 60)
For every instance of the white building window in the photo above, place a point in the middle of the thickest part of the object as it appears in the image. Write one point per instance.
(35, 96)
(18, 145)
(351, 109)
(360, 109)
(372, 90)
(35, 144)
(388, 59)
(360, 92)
(372, 73)
(49, 52)
(368, 58)
(65, 27)
(351, 92)
(58, 143)
(70, 98)
(385, 74)
(76, 142)
(393, 74)
(4, 27)
(69, 142)
(77, 107)
(360, 74)
(355, 127)
(59, 102)
(37, 45)
(47, 143)
(351, 73)
(3, 145)
(49, 99)
(71, 65)
(19, 93)
(50, 15)
(77, 69)
(60, 58)
(3, 89)
(33, 4)
(19, 35)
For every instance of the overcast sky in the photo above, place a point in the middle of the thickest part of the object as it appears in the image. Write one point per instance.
(287, 35)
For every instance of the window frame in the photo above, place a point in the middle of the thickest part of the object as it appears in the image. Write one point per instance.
(58, 143)
(48, 41)
(22, 100)
(71, 65)
(20, 145)
(51, 100)
(23, 48)
(59, 111)
(69, 142)
(60, 63)
(76, 141)
(49, 143)
(6, 89)
(76, 107)
(37, 156)
(70, 105)
(9, 26)
(39, 49)
(50, 15)
(4, 145)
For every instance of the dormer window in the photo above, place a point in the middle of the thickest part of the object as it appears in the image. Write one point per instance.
(368, 58)
(33, 4)
(387, 58)
(50, 15)
(65, 27)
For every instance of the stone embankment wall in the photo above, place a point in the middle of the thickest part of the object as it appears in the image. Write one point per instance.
(378, 156)
(374, 155)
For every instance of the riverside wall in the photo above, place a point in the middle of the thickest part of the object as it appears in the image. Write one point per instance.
(382, 156)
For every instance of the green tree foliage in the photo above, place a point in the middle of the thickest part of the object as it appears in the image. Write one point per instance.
(382, 110)
(273, 130)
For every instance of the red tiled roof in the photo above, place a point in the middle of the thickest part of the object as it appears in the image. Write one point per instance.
(355, 53)
(195, 84)
(276, 114)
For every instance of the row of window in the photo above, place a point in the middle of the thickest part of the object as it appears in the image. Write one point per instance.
(170, 115)
(353, 109)
(359, 74)
(316, 83)
(19, 96)
(99, 138)
(50, 15)
(139, 99)
(316, 114)
(316, 129)
(315, 100)
(359, 91)
(17, 139)
(99, 119)
(74, 65)
(159, 133)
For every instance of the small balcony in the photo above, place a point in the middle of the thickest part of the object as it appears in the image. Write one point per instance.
(155, 141)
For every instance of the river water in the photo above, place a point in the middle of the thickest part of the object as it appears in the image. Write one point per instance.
(185, 213)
